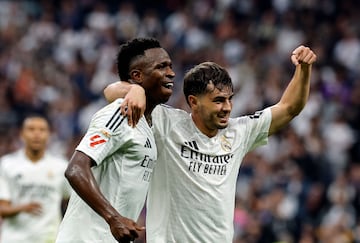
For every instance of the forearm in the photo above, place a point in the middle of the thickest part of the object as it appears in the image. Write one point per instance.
(296, 94)
(7, 210)
(116, 90)
(85, 185)
(293, 99)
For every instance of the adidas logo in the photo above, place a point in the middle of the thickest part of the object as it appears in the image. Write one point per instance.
(147, 144)
(192, 144)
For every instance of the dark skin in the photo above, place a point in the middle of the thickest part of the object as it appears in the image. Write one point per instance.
(152, 72)
(83, 182)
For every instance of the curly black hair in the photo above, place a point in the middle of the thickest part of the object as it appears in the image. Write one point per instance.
(131, 50)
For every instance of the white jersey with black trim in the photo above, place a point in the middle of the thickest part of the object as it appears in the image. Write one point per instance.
(192, 192)
(23, 181)
(125, 158)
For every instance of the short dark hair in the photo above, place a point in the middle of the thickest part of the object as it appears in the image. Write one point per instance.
(130, 50)
(197, 79)
(31, 115)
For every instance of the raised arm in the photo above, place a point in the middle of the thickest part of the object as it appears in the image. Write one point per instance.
(82, 180)
(296, 94)
(134, 103)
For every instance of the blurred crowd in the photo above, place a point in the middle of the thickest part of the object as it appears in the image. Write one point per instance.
(56, 57)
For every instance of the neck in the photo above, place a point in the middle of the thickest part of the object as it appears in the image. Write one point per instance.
(34, 155)
(151, 103)
(149, 108)
(148, 119)
(201, 126)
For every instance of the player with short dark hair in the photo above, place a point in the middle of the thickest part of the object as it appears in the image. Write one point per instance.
(112, 166)
(192, 193)
(32, 187)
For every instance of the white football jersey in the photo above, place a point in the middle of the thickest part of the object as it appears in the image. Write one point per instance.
(192, 192)
(125, 158)
(22, 181)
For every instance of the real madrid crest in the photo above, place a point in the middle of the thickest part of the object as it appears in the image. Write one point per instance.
(225, 144)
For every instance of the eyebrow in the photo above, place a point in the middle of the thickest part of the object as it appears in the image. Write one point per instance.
(224, 96)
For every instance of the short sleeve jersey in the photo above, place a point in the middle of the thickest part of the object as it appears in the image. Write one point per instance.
(192, 193)
(124, 158)
(22, 181)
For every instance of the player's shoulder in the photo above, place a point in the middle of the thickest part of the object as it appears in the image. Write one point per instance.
(251, 117)
(109, 108)
(12, 159)
(170, 110)
(12, 155)
(109, 116)
(167, 118)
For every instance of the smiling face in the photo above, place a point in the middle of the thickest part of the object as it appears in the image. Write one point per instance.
(155, 75)
(211, 110)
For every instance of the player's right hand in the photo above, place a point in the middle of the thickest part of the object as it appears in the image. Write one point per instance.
(124, 229)
(32, 208)
(134, 104)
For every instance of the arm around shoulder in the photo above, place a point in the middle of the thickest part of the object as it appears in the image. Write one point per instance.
(116, 90)
(134, 103)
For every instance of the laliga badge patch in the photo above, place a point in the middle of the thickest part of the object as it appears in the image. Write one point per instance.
(96, 140)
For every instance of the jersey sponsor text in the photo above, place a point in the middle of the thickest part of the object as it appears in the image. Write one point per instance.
(204, 163)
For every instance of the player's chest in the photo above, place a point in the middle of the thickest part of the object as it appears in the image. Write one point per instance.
(213, 160)
(141, 145)
(29, 174)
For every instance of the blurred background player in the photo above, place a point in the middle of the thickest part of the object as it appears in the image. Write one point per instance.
(32, 187)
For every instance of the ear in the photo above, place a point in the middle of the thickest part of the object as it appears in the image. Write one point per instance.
(193, 101)
(136, 76)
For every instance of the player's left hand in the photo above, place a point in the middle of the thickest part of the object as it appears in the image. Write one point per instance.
(303, 55)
